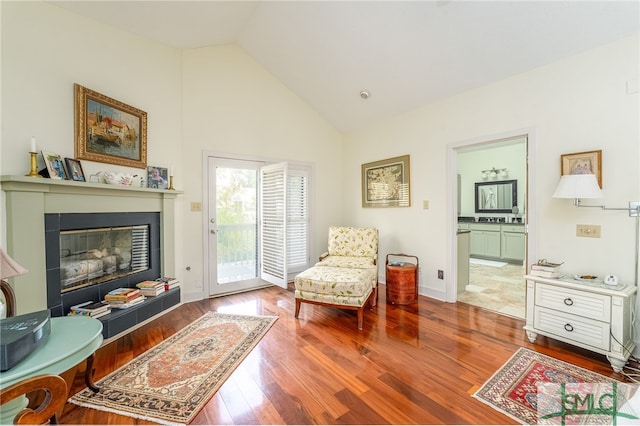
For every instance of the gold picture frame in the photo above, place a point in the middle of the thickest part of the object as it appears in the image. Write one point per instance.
(582, 163)
(109, 131)
(386, 183)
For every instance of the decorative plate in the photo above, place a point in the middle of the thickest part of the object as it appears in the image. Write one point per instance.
(585, 277)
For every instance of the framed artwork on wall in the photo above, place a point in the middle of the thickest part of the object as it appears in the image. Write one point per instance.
(588, 162)
(74, 168)
(55, 165)
(109, 131)
(385, 183)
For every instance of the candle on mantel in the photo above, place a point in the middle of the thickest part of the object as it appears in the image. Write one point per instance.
(33, 144)
(171, 170)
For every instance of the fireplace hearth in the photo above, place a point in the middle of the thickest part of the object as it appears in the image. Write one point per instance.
(90, 254)
(38, 210)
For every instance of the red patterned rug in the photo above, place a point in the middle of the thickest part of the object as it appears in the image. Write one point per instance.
(531, 386)
(172, 381)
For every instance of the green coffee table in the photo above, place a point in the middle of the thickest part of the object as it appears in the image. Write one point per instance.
(72, 340)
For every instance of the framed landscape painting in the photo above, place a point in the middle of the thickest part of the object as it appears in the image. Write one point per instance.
(385, 183)
(109, 131)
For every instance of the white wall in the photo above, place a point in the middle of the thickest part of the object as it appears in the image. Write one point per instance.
(576, 104)
(234, 106)
(45, 50)
(218, 99)
(203, 100)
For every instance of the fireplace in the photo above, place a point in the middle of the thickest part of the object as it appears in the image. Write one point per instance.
(39, 211)
(90, 254)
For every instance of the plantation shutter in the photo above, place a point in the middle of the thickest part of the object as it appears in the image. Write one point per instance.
(297, 220)
(273, 211)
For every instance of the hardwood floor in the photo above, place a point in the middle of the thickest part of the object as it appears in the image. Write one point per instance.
(413, 364)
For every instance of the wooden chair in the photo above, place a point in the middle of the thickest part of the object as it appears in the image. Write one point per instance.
(55, 389)
(9, 297)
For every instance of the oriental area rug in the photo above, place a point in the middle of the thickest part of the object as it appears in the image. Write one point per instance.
(172, 381)
(533, 388)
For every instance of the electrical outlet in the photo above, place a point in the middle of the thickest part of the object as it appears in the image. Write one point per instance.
(196, 207)
(440, 274)
(198, 283)
(588, 231)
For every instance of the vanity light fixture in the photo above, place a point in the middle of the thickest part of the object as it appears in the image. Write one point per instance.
(586, 186)
(493, 173)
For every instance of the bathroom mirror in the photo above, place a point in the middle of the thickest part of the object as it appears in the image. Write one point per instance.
(496, 196)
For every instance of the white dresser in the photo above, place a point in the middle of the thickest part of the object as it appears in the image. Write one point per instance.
(593, 316)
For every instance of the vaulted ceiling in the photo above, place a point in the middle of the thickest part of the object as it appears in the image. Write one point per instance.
(405, 54)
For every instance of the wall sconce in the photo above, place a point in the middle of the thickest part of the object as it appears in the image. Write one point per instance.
(586, 186)
(493, 173)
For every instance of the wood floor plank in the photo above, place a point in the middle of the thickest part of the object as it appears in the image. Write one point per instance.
(412, 364)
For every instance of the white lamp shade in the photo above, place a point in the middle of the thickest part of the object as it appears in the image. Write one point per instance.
(578, 186)
(9, 267)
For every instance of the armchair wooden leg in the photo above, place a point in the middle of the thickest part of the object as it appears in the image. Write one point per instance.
(297, 308)
(360, 317)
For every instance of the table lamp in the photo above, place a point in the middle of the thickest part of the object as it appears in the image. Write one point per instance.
(8, 268)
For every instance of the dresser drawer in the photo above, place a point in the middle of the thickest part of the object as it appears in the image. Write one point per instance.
(589, 305)
(571, 327)
(519, 229)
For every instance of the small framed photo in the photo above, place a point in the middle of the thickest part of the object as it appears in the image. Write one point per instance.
(580, 163)
(74, 168)
(157, 177)
(55, 165)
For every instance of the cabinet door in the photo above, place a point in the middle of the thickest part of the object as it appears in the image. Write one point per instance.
(492, 243)
(513, 245)
(476, 243)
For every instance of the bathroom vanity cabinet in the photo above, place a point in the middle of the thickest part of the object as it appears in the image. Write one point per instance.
(498, 241)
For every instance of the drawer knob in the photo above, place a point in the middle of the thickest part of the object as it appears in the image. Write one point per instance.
(568, 301)
(568, 327)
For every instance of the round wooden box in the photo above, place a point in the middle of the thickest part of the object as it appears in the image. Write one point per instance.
(402, 282)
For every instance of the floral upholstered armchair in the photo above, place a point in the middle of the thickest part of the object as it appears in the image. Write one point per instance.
(346, 276)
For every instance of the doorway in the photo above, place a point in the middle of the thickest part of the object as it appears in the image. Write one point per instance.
(258, 222)
(498, 241)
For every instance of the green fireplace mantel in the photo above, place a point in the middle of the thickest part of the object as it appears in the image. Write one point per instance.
(28, 199)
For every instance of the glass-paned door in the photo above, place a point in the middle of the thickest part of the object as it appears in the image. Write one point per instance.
(233, 225)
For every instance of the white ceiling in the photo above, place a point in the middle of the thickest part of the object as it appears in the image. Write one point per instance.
(406, 54)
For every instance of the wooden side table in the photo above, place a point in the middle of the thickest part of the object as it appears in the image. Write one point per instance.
(402, 280)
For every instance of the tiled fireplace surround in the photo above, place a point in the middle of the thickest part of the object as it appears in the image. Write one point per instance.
(28, 200)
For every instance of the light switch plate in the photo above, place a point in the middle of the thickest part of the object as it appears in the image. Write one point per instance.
(588, 231)
(196, 207)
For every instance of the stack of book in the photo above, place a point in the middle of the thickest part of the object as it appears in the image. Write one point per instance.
(169, 282)
(546, 269)
(150, 288)
(122, 298)
(90, 309)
